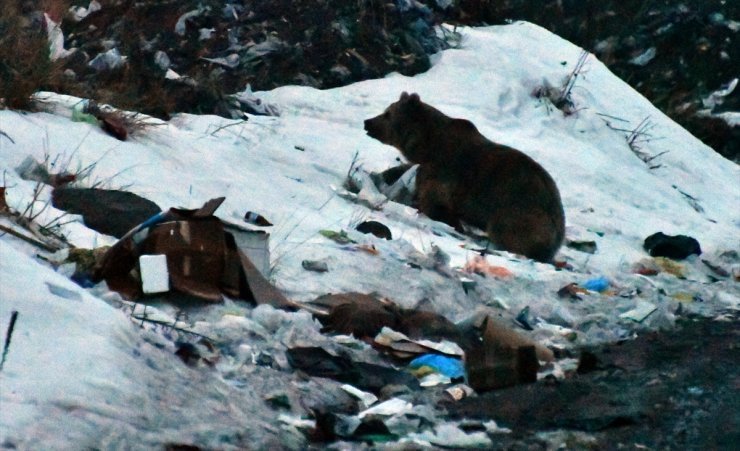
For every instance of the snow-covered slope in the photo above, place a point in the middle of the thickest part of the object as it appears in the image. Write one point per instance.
(80, 372)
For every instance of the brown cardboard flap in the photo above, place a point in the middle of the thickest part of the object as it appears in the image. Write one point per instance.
(503, 358)
(495, 333)
(262, 290)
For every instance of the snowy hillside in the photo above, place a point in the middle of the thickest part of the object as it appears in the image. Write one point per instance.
(80, 373)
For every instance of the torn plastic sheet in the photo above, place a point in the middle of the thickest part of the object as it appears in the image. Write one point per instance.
(112, 59)
(180, 26)
(367, 399)
(394, 406)
(642, 310)
(80, 12)
(403, 345)
(56, 40)
(449, 435)
(254, 105)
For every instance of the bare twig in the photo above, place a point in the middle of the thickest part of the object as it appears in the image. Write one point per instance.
(144, 319)
(353, 166)
(570, 81)
(227, 126)
(638, 136)
(613, 117)
(8, 336)
(647, 160)
(2, 133)
(693, 201)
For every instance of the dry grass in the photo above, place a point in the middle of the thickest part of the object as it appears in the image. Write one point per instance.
(25, 63)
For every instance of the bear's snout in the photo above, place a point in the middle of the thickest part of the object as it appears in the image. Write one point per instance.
(372, 129)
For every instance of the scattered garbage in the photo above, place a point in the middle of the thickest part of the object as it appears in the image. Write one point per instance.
(654, 266)
(676, 247)
(524, 319)
(376, 228)
(459, 391)
(642, 310)
(393, 406)
(256, 219)
(358, 314)
(367, 399)
(63, 292)
(115, 126)
(315, 265)
(79, 114)
(598, 284)
(338, 237)
(107, 61)
(719, 96)
(80, 12)
(502, 357)
(56, 39)
(3, 203)
(645, 57)
(398, 183)
(572, 291)
(433, 369)
(479, 265)
(587, 246)
(253, 104)
(278, 401)
(318, 362)
(154, 275)
(449, 435)
(401, 346)
(30, 169)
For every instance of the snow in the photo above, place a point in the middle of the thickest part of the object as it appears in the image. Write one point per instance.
(80, 372)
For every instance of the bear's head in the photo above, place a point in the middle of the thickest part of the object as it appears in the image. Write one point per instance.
(403, 125)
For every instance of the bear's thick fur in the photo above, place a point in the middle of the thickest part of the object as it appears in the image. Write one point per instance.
(463, 176)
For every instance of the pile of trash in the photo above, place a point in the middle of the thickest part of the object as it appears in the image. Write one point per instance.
(390, 373)
(206, 56)
(192, 56)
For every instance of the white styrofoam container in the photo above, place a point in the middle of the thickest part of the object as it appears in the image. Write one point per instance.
(155, 278)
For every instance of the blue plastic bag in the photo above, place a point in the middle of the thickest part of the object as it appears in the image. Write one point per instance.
(598, 284)
(448, 366)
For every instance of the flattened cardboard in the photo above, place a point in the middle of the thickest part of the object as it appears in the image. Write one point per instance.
(503, 358)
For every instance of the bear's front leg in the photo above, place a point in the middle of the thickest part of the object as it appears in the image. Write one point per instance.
(435, 199)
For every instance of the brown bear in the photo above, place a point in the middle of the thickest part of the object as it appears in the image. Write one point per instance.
(463, 176)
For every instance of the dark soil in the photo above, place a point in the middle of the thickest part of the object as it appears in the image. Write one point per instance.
(664, 390)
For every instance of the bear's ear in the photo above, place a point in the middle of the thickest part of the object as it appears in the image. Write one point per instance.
(411, 98)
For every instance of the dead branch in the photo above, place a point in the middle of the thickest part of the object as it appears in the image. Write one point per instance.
(28, 239)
